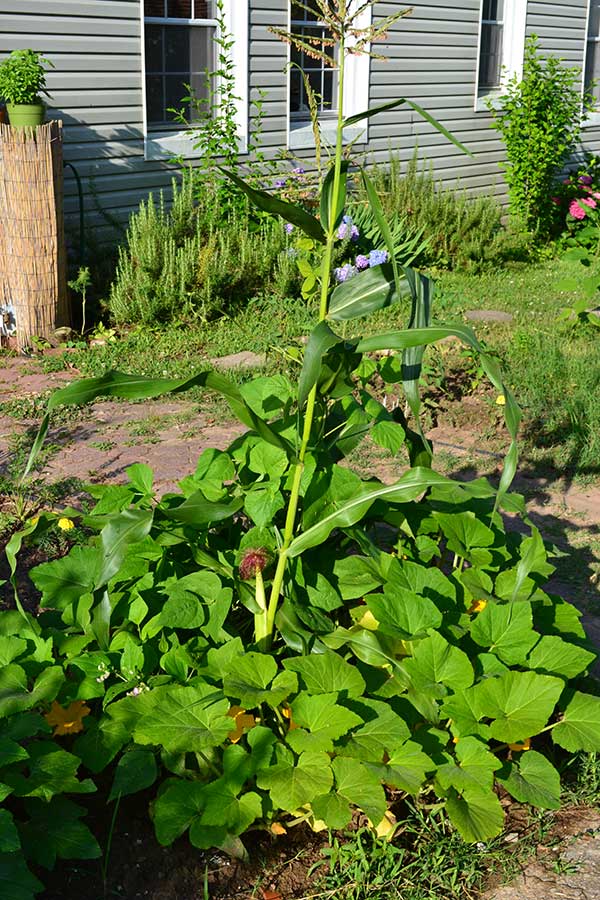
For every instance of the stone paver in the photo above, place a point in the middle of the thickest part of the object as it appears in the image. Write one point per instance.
(488, 315)
(574, 874)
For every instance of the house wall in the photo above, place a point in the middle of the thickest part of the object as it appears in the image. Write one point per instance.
(96, 89)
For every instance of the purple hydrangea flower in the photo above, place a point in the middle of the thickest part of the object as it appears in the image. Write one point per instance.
(585, 179)
(288, 227)
(362, 261)
(377, 257)
(298, 170)
(347, 230)
(343, 273)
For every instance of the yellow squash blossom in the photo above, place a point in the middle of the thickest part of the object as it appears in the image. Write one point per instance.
(243, 722)
(521, 745)
(66, 524)
(67, 720)
(477, 606)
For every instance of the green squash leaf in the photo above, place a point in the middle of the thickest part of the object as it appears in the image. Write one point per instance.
(327, 673)
(321, 721)
(64, 580)
(474, 770)
(184, 718)
(403, 614)
(477, 815)
(9, 836)
(253, 680)
(532, 779)
(291, 784)
(355, 786)
(16, 881)
(135, 771)
(55, 832)
(520, 703)
(435, 661)
(554, 656)
(579, 726)
(506, 629)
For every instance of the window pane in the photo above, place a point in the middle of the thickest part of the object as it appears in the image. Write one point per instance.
(493, 10)
(154, 99)
(177, 48)
(202, 49)
(200, 92)
(594, 23)
(203, 9)
(175, 91)
(592, 66)
(490, 59)
(179, 9)
(296, 92)
(154, 48)
(154, 8)
(321, 75)
(302, 15)
(328, 95)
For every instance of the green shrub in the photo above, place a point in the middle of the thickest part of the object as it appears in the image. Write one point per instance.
(178, 262)
(539, 118)
(459, 231)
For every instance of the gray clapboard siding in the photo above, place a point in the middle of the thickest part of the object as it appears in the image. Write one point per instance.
(431, 57)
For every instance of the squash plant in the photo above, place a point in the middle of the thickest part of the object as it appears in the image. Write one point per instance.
(283, 641)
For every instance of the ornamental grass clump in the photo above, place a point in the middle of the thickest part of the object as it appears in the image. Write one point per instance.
(285, 641)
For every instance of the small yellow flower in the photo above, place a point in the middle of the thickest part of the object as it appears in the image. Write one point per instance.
(65, 524)
(521, 745)
(455, 740)
(500, 400)
(243, 722)
(277, 828)
(33, 522)
(477, 606)
(287, 714)
(67, 720)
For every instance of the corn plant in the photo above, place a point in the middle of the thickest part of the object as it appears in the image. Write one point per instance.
(283, 641)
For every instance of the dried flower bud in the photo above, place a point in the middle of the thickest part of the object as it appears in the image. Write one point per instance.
(254, 560)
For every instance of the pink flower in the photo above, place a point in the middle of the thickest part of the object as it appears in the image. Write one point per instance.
(596, 195)
(575, 210)
(588, 202)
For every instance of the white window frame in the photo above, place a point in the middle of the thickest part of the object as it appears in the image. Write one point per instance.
(162, 144)
(593, 118)
(357, 79)
(514, 24)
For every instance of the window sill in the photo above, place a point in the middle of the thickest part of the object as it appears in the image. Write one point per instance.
(301, 136)
(165, 145)
(482, 100)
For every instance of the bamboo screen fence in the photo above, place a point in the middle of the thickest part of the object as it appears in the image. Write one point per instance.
(32, 245)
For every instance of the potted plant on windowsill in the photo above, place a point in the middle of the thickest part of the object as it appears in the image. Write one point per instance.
(22, 80)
